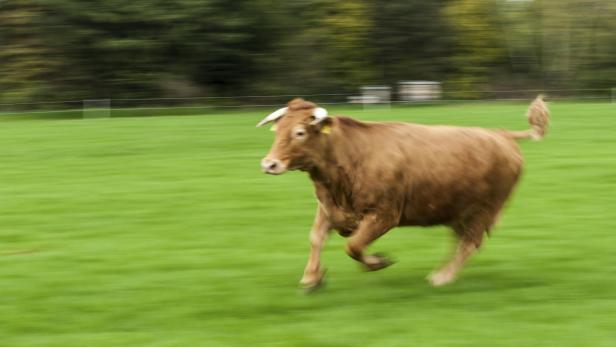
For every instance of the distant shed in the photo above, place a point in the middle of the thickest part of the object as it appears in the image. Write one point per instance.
(419, 90)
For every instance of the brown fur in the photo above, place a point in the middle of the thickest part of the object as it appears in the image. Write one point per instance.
(371, 177)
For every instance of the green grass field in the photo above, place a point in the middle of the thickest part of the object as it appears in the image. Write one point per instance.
(162, 231)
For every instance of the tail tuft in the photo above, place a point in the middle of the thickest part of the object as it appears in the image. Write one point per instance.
(539, 118)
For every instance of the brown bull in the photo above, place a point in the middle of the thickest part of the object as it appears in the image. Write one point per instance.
(373, 176)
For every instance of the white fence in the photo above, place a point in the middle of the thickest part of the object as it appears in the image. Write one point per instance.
(103, 108)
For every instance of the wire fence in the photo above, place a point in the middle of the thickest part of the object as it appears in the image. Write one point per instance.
(100, 108)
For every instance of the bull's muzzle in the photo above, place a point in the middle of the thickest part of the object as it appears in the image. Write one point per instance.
(273, 166)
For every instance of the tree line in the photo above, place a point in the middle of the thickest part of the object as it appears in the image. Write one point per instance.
(71, 49)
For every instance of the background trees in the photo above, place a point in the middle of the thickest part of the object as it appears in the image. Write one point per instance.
(153, 48)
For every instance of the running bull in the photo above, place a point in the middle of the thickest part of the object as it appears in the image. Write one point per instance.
(373, 176)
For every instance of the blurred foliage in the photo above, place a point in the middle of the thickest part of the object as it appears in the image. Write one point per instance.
(411, 40)
(180, 48)
(480, 46)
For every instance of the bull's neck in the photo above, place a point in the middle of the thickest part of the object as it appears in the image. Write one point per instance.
(329, 171)
(333, 169)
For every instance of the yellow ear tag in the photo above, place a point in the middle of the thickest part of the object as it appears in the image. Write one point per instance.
(326, 129)
(273, 128)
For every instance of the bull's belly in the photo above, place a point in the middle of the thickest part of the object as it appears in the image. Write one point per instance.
(449, 206)
(346, 222)
(433, 208)
(428, 203)
(438, 217)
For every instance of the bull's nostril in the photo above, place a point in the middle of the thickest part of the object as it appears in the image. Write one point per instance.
(271, 166)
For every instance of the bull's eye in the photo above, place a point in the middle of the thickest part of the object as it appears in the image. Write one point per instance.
(299, 132)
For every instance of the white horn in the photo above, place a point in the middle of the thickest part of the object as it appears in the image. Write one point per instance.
(319, 115)
(273, 116)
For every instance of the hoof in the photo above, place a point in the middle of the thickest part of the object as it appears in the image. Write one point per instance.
(312, 287)
(309, 285)
(378, 261)
(441, 278)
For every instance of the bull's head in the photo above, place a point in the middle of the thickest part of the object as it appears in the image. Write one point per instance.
(300, 128)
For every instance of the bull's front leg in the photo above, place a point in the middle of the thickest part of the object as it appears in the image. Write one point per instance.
(313, 274)
(369, 229)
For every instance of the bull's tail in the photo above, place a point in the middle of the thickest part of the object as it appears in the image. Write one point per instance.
(539, 118)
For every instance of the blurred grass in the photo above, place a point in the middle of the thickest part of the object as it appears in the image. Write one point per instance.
(163, 232)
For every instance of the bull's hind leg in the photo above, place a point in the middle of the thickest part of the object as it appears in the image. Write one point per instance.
(370, 229)
(313, 275)
(447, 274)
(470, 235)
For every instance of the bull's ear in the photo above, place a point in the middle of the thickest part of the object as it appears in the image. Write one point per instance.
(324, 126)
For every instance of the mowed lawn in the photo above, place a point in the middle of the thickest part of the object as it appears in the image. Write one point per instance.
(162, 231)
